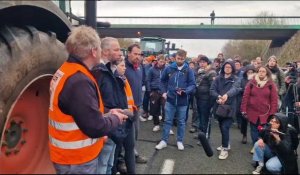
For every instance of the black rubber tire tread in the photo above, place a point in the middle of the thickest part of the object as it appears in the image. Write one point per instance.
(26, 53)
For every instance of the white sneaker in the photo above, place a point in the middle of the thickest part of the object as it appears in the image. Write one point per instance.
(162, 144)
(156, 128)
(221, 147)
(252, 150)
(223, 154)
(150, 117)
(160, 117)
(142, 119)
(257, 170)
(171, 132)
(180, 146)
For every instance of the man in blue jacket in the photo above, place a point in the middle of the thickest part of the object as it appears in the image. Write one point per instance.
(178, 81)
(135, 77)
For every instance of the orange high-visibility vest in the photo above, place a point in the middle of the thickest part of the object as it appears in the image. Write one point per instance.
(67, 143)
(129, 96)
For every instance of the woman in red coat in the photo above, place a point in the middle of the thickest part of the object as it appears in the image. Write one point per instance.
(259, 100)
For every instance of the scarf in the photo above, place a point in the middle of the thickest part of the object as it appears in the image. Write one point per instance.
(135, 66)
(260, 83)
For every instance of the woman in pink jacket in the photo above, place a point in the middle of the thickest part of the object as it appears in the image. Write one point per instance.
(259, 100)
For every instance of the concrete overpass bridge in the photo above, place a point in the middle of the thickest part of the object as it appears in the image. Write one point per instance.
(278, 29)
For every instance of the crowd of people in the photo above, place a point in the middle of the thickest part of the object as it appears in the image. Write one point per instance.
(98, 98)
(229, 90)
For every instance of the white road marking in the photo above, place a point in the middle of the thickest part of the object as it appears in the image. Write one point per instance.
(168, 166)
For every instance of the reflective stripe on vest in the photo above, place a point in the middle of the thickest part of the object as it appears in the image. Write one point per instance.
(72, 145)
(63, 126)
(129, 98)
(129, 95)
(68, 144)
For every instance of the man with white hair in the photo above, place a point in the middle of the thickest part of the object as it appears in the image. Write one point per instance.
(76, 122)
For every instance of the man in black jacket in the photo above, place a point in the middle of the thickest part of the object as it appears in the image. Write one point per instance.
(110, 90)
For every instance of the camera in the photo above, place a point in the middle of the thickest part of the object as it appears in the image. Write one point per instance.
(267, 128)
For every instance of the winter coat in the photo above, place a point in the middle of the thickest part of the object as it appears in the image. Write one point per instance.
(229, 86)
(283, 150)
(204, 80)
(278, 78)
(153, 78)
(259, 102)
(135, 79)
(172, 78)
(110, 87)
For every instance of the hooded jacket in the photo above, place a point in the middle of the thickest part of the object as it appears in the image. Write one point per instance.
(229, 86)
(172, 78)
(283, 150)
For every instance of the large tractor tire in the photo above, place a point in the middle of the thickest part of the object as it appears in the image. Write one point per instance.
(28, 60)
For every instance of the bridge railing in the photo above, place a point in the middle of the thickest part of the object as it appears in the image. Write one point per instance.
(224, 20)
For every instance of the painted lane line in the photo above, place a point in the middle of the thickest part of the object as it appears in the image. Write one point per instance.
(168, 166)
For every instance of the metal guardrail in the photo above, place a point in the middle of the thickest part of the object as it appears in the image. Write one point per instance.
(192, 20)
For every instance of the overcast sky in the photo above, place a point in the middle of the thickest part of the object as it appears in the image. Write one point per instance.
(192, 8)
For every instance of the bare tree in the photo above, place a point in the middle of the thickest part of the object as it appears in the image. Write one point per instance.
(125, 42)
(250, 49)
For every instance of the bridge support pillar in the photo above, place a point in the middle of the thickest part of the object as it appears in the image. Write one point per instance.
(91, 13)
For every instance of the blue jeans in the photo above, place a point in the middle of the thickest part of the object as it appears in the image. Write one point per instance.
(254, 132)
(85, 168)
(224, 125)
(273, 164)
(170, 111)
(106, 158)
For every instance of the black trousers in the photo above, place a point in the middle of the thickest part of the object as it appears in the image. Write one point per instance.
(157, 103)
(244, 125)
(128, 145)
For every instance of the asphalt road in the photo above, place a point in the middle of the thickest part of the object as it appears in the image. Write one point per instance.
(193, 159)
